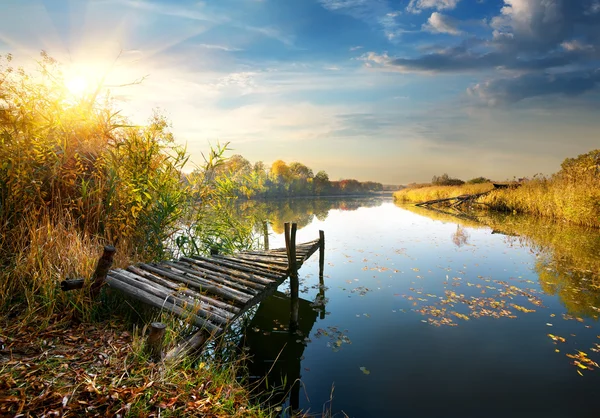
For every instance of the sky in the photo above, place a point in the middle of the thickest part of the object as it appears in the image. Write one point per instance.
(383, 90)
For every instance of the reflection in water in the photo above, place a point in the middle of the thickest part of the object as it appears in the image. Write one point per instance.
(567, 263)
(277, 352)
(460, 237)
(301, 211)
(426, 318)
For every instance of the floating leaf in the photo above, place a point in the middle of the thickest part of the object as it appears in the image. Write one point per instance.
(364, 370)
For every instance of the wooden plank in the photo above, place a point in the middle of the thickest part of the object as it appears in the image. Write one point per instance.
(192, 282)
(219, 277)
(157, 302)
(207, 285)
(226, 270)
(211, 278)
(221, 308)
(239, 267)
(262, 259)
(197, 297)
(275, 269)
(148, 286)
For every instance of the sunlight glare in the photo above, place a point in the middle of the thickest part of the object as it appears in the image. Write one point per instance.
(77, 85)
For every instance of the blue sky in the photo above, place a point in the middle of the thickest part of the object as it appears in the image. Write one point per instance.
(391, 91)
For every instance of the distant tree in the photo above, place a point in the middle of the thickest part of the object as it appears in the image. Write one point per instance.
(446, 180)
(299, 170)
(321, 183)
(478, 180)
(371, 186)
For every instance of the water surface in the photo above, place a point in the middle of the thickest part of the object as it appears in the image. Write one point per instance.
(428, 315)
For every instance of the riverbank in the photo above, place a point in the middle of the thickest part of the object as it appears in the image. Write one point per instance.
(100, 369)
(571, 195)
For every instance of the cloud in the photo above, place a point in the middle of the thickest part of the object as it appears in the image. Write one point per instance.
(550, 46)
(416, 6)
(374, 12)
(439, 23)
(511, 90)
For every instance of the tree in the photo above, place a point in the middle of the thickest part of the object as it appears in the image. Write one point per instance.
(321, 182)
(446, 180)
(479, 180)
(583, 166)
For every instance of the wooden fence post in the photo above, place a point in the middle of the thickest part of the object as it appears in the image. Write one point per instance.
(104, 264)
(154, 343)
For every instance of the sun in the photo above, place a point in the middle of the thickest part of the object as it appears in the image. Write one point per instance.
(77, 85)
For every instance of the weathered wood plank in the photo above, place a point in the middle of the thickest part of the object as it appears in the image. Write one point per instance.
(262, 259)
(191, 306)
(219, 281)
(163, 271)
(207, 285)
(208, 304)
(218, 276)
(232, 272)
(159, 303)
(238, 266)
(273, 268)
(221, 307)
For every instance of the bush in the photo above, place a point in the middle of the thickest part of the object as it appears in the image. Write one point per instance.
(446, 180)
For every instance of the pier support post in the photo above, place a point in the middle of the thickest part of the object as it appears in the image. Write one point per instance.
(104, 264)
(290, 241)
(321, 268)
(154, 343)
(266, 235)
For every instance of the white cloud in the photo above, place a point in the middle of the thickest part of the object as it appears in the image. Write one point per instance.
(416, 6)
(374, 12)
(439, 23)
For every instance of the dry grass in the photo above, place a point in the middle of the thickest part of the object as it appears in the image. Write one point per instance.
(423, 194)
(577, 202)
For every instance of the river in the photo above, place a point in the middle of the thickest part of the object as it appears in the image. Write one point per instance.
(429, 315)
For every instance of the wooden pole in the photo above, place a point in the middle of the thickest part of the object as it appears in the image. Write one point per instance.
(321, 253)
(155, 341)
(266, 235)
(294, 282)
(104, 264)
(321, 268)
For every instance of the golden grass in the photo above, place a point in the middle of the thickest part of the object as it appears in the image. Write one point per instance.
(423, 194)
(561, 199)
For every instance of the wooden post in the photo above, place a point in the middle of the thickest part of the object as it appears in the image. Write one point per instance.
(321, 295)
(321, 253)
(266, 235)
(154, 343)
(71, 284)
(104, 264)
(294, 282)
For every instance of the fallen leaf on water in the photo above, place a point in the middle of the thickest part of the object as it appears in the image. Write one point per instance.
(364, 370)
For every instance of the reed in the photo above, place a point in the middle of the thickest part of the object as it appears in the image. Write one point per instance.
(422, 194)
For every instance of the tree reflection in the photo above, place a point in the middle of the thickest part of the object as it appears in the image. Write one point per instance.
(460, 237)
(568, 261)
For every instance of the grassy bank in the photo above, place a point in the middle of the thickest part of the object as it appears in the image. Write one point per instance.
(571, 195)
(422, 194)
(75, 174)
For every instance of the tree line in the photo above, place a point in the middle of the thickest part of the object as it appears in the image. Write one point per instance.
(280, 179)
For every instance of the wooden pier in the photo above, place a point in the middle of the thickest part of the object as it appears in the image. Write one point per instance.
(209, 292)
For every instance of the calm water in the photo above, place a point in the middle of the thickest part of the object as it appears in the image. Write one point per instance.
(434, 316)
